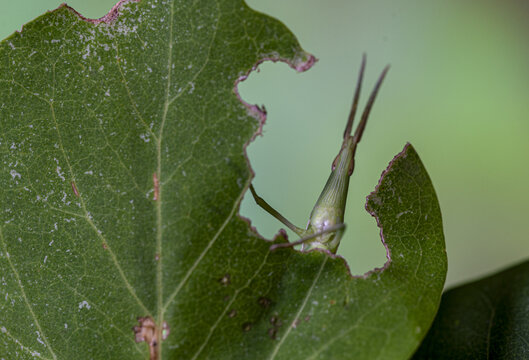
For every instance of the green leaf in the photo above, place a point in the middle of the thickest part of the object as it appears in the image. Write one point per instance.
(484, 319)
(122, 143)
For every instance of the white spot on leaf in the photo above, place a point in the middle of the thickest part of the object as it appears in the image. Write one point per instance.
(15, 174)
(84, 304)
(145, 137)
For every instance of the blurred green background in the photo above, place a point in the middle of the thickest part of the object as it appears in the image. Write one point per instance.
(458, 90)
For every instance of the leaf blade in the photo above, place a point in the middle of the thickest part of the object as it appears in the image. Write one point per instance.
(122, 186)
(486, 318)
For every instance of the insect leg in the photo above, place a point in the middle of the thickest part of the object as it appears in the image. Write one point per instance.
(259, 200)
(310, 237)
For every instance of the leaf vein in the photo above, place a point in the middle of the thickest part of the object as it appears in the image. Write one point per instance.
(26, 349)
(89, 218)
(203, 253)
(300, 310)
(115, 261)
(228, 306)
(354, 326)
(116, 153)
(159, 222)
(24, 296)
(206, 61)
(96, 308)
(490, 322)
(129, 94)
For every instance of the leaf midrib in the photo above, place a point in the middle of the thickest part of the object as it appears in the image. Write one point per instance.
(168, 101)
(159, 199)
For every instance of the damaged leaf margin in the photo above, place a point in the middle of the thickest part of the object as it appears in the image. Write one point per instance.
(107, 82)
(384, 313)
(149, 226)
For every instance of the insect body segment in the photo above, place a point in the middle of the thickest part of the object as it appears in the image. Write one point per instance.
(326, 227)
(330, 208)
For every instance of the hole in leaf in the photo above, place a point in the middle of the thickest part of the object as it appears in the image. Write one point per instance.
(292, 160)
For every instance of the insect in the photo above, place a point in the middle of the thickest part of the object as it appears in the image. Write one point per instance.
(326, 227)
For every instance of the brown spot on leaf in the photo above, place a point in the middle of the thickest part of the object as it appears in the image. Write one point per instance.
(105, 246)
(157, 257)
(276, 324)
(225, 280)
(74, 188)
(233, 313)
(307, 318)
(264, 302)
(247, 326)
(146, 331)
(276, 321)
(272, 333)
(333, 302)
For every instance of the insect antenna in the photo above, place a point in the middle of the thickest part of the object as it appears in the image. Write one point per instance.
(360, 128)
(349, 126)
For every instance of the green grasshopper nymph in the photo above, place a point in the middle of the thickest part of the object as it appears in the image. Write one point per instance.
(326, 227)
